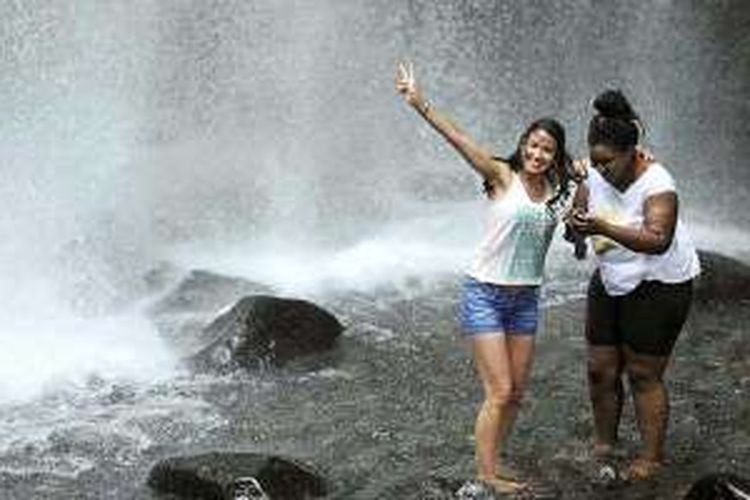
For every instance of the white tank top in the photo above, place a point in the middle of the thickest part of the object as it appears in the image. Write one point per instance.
(623, 269)
(517, 236)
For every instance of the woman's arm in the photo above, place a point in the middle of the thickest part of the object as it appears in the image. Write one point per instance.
(496, 172)
(653, 237)
(580, 205)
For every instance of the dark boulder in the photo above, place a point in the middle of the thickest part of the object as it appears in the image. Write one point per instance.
(722, 278)
(262, 329)
(183, 311)
(215, 476)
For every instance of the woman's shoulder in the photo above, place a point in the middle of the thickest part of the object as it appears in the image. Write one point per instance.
(657, 175)
(501, 172)
(593, 177)
(505, 172)
(658, 169)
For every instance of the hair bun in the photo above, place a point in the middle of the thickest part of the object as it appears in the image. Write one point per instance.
(613, 104)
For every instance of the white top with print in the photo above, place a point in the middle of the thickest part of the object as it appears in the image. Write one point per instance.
(517, 236)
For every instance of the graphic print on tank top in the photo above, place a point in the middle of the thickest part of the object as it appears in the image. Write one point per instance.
(536, 225)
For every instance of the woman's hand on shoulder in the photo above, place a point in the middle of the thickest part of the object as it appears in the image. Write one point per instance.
(645, 155)
(580, 169)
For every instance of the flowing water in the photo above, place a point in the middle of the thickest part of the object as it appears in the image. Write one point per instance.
(264, 140)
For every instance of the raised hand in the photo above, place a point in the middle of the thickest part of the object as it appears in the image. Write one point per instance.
(406, 84)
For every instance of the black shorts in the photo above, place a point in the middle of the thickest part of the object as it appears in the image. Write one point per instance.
(648, 319)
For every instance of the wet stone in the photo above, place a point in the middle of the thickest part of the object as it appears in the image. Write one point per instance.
(265, 330)
(218, 476)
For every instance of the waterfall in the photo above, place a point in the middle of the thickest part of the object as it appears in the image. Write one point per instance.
(265, 139)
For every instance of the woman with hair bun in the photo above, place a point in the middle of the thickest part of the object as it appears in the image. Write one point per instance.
(640, 294)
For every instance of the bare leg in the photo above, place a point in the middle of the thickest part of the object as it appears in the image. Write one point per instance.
(494, 368)
(605, 365)
(645, 373)
(520, 349)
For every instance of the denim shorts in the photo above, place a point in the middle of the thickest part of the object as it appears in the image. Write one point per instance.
(490, 308)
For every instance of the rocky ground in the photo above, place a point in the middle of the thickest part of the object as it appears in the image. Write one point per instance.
(388, 413)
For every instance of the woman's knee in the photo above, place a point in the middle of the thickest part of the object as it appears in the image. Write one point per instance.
(604, 367)
(500, 395)
(602, 376)
(517, 394)
(643, 378)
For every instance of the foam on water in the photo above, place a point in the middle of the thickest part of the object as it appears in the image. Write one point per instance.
(48, 351)
(74, 238)
(433, 241)
(421, 246)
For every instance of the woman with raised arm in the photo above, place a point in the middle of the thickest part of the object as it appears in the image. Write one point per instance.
(640, 294)
(526, 194)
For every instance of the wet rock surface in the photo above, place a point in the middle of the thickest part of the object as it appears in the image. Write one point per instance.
(458, 488)
(220, 476)
(391, 415)
(722, 279)
(182, 312)
(219, 323)
(261, 330)
(720, 487)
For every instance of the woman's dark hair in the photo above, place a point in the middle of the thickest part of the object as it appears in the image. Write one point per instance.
(559, 175)
(615, 124)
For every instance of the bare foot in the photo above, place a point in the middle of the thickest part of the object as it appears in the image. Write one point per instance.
(642, 469)
(504, 486)
(504, 471)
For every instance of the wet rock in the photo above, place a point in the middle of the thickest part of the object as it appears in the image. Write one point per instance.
(263, 329)
(214, 476)
(456, 488)
(719, 487)
(441, 488)
(475, 490)
(182, 313)
(722, 278)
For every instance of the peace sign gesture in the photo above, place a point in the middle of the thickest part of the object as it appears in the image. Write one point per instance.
(406, 84)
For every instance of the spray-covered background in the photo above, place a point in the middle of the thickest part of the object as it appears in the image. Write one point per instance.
(264, 139)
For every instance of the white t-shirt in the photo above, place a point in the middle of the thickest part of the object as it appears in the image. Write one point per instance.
(623, 269)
